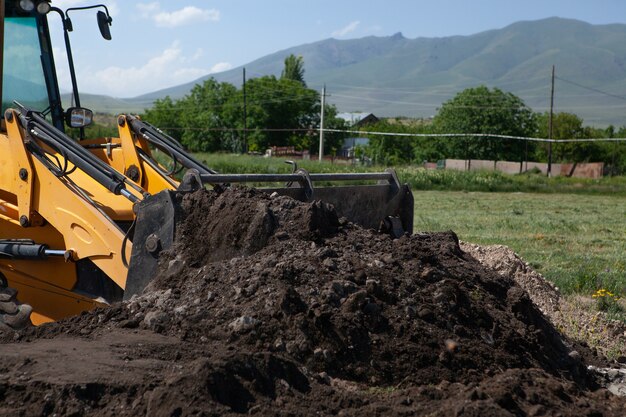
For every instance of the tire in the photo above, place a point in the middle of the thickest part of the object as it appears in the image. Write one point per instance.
(13, 314)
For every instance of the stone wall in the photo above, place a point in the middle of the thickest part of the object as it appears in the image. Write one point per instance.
(582, 170)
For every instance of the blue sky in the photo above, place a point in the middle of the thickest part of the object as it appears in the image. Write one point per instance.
(159, 44)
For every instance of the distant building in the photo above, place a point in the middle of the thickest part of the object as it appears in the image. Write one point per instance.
(355, 120)
(349, 145)
(358, 119)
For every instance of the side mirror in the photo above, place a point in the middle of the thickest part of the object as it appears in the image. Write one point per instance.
(104, 21)
(78, 117)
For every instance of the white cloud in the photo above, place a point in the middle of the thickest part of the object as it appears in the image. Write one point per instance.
(221, 66)
(168, 69)
(199, 54)
(148, 9)
(189, 74)
(185, 16)
(351, 27)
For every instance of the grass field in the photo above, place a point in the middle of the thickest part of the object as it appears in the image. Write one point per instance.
(576, 241)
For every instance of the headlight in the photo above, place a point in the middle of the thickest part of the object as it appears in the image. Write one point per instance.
(43, 7)
(26, 5)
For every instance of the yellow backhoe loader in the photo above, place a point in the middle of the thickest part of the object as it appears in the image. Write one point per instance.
(82, 223)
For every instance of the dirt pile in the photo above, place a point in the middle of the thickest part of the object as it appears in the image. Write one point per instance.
(507, 263)
(269, 306)
(575, 316)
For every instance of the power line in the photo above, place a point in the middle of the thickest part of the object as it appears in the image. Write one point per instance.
(409, 103)
(236, 129)
(591, 88)
(385, 101)
(426, 93)
(397, 134)
(373, 101)
(481, 135)
(453, 90)
(270, 96)
(250, 101)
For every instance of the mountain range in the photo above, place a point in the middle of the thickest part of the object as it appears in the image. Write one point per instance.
(396, 76)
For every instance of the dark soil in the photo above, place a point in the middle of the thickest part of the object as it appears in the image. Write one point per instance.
(269, 306)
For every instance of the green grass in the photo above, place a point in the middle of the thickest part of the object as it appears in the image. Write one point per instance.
(490, 181)
(245, 164)
(576, 241)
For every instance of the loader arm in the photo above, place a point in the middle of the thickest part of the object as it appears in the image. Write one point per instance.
(131, 154)
(78, 211)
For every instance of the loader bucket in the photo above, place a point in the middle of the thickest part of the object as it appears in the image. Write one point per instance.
(365, 205)
(155, 228)
(386, 206)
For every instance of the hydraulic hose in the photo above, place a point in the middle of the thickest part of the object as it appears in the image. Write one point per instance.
(75, 153)
(167, 144)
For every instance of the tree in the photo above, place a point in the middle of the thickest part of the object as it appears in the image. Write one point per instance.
(284, 112)
(202, 114)
(294, 69)
(488, 111)
(429, 148)
(280, 112)
(166, 115)
(570, 126)
(333, 141)
(564, 125)
(392, 149)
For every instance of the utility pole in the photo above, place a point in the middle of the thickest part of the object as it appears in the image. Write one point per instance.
(550, 122)
(245, 115)
(321, 158)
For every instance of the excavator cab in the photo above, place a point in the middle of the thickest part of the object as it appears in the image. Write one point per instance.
(28, 74)
(28, 65)
(82, 222)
